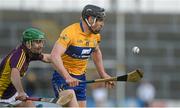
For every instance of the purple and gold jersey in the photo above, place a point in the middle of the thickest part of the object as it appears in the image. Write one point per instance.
(79, 47)
(19, 58)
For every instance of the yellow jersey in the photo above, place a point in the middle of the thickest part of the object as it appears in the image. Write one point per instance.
(79, 47)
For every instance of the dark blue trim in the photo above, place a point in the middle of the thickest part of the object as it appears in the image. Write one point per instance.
(76, 52)
(81, 26)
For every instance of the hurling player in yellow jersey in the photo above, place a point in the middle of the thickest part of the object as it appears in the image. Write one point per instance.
(72, 50)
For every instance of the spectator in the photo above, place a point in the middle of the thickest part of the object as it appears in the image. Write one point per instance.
(146, 93)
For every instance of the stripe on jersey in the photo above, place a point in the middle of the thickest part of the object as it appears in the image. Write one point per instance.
(21, 60)
(79, 52)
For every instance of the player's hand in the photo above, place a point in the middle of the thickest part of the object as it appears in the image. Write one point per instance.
(72, 82)
(109, 84)
(21, 96)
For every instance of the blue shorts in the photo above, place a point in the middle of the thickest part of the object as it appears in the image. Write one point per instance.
(80, 90)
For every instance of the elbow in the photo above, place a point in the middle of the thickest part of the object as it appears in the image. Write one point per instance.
(57, 52)
(52, 56)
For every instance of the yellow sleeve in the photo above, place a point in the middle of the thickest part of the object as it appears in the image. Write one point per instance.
(64, 39)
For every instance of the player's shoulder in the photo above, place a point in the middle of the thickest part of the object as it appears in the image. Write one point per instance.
(71, 27)
(18, 49)
(70, 30)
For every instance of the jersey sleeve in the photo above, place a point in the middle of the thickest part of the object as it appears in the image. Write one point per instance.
(65, 39)
(17, 59)
(36, 57)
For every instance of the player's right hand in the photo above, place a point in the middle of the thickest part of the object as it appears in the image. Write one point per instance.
(21, 96)
(72, 82)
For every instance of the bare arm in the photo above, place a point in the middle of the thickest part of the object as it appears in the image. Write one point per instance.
(56, 54)
(16, 81)
(98, 61)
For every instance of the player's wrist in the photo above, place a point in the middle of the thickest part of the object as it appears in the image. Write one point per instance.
(105, 75)
(67, 76)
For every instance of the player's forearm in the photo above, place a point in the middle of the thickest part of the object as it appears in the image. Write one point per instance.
(98, 61)
(16, 80)
(58, 65)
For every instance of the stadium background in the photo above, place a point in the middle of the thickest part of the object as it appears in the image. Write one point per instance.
(153, 25)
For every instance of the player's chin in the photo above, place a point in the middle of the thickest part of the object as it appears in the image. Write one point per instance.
(99, 29)
(96, 31)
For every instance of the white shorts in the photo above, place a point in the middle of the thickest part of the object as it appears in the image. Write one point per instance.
(12, 100)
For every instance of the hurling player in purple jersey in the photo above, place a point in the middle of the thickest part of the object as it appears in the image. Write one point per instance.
(15, 64)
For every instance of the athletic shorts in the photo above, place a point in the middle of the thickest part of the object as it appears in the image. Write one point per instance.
(80, 90)
(12, 100)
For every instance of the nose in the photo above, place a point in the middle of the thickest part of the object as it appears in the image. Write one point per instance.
(41, 44)
(101, 24)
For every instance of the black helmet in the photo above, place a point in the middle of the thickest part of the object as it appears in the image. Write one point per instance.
(92, 10)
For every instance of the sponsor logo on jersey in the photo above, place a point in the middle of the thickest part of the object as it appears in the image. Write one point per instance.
(86, 51)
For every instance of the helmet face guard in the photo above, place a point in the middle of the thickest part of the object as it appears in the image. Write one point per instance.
(94, 11)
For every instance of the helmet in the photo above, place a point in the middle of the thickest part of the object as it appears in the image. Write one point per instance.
(92, 10)
(31, 34)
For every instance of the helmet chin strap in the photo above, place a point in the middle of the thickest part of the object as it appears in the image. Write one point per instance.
(90, 26)
(30, 44)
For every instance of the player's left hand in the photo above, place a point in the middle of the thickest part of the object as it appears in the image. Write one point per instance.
(21, 96)
(109, 84)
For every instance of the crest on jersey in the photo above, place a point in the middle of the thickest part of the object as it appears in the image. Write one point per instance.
(64, 37)
(87, 42)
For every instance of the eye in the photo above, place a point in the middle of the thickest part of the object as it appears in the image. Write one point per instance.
(100, 19)
(39, 41)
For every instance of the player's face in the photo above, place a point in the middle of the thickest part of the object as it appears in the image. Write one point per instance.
(98, 25)
(37, 46)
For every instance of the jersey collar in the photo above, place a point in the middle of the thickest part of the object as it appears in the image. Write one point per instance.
(82, 29)
(81, 25)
